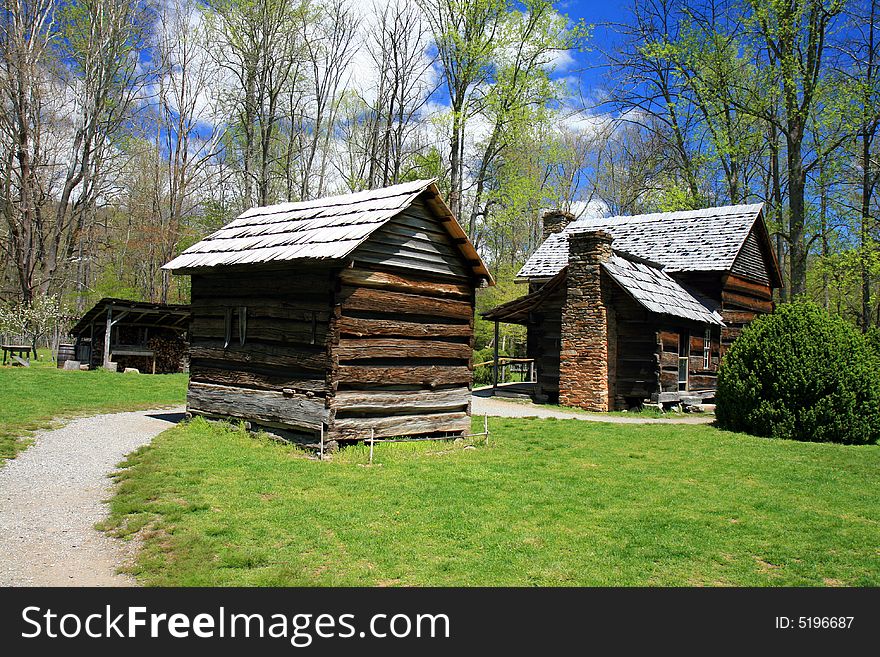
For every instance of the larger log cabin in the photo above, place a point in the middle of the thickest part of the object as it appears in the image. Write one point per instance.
(349, 316)
(629, 309)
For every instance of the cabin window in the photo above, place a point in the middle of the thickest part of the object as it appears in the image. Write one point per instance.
(707, 349)
(230, 325)
(684, 351)
(227, 333)
(242, 324)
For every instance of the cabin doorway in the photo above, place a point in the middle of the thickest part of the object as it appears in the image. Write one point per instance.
(684, 353)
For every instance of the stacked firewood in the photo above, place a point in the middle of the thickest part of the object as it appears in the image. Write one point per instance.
(170, 353)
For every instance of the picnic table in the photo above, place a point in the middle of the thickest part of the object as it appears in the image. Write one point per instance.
(18, 353)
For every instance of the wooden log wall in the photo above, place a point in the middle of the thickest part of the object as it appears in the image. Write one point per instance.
(743, 296)
(741, 301)
(544, 344)
(700, 378)
(414, 240)
(637, 368)
(751, 262)
(401, 345)
(667, 347)
(278, 378)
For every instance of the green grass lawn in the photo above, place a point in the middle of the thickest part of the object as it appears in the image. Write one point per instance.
(30, 398)
(547, 503)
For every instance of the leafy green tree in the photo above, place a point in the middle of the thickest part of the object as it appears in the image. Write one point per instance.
(518, 102)
(467, 34)
(512, 335)
(795, 33)
(718, 71)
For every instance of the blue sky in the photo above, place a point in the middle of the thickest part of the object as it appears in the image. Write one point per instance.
(592, 11)
(588, 66)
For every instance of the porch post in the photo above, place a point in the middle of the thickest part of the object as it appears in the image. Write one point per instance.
(495, 368)
(107, 336)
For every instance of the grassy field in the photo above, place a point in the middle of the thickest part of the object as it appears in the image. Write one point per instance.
(547, 503)
(30, 398)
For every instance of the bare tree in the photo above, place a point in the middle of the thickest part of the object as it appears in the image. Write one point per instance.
(188, 130)
(328, 35)
(27, 30)
(381, 118)
(643, 77)
(466, 34)
(397, 47)
(87, 85)
(255, 45)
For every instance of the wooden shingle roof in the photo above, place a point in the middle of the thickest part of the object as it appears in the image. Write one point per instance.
(326, 229)
(656, 291)
(647, 284)
(694, 240)
(165, 315)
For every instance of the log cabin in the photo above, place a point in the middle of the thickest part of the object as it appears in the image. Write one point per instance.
(630, 309)
(345, 317)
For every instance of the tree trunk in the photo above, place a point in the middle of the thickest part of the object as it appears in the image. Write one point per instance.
(455, 143)
(865, 231)
(776, 191)
(796, 216)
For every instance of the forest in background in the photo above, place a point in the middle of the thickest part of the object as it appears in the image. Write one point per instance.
(131, 128)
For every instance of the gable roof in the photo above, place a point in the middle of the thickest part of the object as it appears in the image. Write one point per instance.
(655, 290)
(692, 240)
(325, 229)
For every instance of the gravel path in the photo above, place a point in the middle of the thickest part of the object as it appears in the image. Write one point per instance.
(53, 493)
(499, 407)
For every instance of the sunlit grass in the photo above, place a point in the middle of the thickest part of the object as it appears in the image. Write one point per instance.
(31, 398)
(546, 503)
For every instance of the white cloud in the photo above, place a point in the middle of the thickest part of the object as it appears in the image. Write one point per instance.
(591, 208)
(561, 61)
(584, 122)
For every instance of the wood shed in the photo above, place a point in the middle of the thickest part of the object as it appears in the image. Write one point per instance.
(349, 315)
(143, 335)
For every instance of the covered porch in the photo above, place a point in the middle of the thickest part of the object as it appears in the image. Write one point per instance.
(541, 313)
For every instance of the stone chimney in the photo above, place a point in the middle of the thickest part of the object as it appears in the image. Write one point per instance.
(554, 221)
(588, 349)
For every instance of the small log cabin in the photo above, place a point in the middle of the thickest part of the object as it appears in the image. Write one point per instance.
(148, 336)
(349, 316)
(628, 309)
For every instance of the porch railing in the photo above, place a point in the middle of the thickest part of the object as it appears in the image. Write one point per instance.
(507, 370)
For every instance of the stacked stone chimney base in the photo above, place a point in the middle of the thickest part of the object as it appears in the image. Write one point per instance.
(588, 345)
